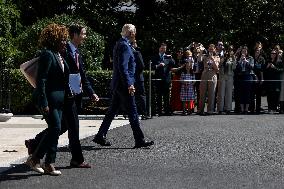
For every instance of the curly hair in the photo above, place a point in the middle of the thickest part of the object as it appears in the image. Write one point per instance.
(52, 36)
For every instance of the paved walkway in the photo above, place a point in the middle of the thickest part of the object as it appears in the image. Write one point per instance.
(200, 152)
(15, 131)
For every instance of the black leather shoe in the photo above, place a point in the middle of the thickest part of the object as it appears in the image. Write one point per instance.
(102, 141)
(144, 144)
(79, 165)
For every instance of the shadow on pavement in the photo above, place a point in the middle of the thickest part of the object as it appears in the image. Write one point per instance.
(18, 172)
(90, 148)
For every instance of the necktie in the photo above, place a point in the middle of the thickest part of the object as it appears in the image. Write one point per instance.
(77, 58)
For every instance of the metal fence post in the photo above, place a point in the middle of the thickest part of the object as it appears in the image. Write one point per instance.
(150, 89)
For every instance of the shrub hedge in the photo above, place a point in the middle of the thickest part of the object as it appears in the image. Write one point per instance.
(21, 92)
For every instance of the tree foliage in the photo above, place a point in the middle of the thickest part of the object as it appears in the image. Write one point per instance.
(9, 25)
(176, 22)
(179, 22)
(92, 49)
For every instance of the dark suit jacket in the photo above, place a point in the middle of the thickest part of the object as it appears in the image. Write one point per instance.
(164, 72)
(123, 66)
(52, 82)
(68, 56)
(139, 65)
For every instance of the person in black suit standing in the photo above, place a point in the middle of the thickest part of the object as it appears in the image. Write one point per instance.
(162, 64)
(123, 90)
(140, 94)
(72, 102)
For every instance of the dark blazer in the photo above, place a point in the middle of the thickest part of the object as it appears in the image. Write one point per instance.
(164, 72)
(68, 56)
(139, 65)
(272, 76)
(123, 66)
(51, 81)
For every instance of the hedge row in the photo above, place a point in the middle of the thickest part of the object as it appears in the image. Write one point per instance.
(21, 92)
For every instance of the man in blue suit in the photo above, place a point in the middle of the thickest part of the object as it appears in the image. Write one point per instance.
(122, 86)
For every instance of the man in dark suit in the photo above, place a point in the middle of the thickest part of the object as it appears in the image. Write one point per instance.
(140, 94)
(122, 86)
(162, 64)
(72, 102)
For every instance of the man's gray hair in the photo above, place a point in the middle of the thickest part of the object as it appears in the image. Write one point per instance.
(127, 28)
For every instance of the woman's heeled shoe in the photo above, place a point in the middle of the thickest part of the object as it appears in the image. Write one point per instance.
(50, 170)
(34, 165)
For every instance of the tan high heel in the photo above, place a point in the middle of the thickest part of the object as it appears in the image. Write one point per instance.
(34, 165)
(50, 170)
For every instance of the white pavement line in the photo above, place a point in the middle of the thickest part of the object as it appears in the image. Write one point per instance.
(14, 132)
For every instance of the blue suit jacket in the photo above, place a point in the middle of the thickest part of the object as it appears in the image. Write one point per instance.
(123, 66)
(68, 56)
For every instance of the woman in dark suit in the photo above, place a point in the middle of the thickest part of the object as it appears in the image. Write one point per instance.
(244, 71)
(52, 82)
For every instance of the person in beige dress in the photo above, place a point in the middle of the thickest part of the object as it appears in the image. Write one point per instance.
(209, 80)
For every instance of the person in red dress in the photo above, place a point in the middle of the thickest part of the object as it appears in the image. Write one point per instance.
(175, 102)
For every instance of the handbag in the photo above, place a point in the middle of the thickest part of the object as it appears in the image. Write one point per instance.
(30, 69)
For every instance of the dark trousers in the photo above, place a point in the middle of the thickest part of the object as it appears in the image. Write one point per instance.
(47, 144)
(237, 94)
(256, 98)
(123, 100)
(163, 96)
(245, 89)
(70, 122)
(140, 97)
(272, 99)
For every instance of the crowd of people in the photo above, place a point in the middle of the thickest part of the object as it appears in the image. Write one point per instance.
(216, 76)
(195, 77)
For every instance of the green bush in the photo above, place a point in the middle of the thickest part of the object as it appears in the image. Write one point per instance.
(27, 42)
(102, 89)
(21, 92)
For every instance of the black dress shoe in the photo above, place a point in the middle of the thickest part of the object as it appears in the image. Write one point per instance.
(144, 144)
(80, 165)
(202, 113)
(102, 141)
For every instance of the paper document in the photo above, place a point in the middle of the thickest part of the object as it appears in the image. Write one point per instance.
(75, 83)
